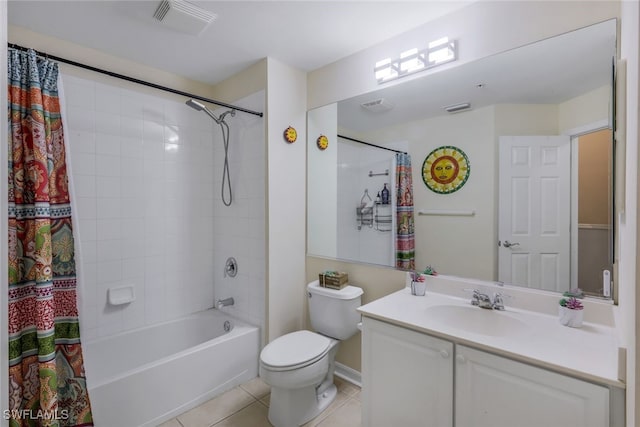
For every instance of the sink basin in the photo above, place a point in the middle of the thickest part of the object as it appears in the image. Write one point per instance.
(477, 320)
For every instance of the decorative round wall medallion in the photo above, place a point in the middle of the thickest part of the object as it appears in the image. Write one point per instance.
(323, 142)
(290, 134)
(446, 169)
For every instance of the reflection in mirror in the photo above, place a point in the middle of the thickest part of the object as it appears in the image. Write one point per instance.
(539, 144)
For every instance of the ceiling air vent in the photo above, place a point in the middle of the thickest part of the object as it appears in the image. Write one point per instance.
(456, 108)
(183, 16)
(377, 105)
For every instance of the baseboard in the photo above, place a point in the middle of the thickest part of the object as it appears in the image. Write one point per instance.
(348, 374)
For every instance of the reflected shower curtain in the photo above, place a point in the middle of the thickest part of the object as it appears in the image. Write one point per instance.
(405, 240)
(47, 385)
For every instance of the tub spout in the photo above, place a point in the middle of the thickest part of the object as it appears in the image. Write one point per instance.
(224, 302)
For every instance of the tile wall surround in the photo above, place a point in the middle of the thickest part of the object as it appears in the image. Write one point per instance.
(367, 244)
(147, 173)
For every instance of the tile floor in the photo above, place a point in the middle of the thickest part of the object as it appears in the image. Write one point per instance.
(248, 404)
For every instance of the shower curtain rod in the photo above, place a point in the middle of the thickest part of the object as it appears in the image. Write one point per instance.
(134, 80)
(372, 145)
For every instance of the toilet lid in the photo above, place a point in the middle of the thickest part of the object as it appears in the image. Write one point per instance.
(296, 348)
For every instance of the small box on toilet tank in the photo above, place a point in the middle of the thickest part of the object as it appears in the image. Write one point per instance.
(333, 279)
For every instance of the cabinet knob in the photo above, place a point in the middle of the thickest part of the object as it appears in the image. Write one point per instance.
(444, 354)
(460, 358)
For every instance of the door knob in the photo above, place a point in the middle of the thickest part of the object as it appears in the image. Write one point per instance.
(460, 358)
(508, 244)
(444, 354)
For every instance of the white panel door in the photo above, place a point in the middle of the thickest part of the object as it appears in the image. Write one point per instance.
(534, 235)
(407, 377)
(492, 391)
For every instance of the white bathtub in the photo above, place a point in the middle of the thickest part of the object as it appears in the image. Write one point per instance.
(146, 376)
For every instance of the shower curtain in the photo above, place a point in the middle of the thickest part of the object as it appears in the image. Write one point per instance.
(47, 385)
(405, 240)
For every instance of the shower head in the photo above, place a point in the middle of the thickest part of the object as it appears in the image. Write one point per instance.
(201, 107)
(195, 105)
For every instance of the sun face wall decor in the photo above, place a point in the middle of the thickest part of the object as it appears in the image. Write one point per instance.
(446, 169)
(322, 142)
(290, 135)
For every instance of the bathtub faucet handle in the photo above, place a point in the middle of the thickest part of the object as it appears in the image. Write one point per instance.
(224, 302)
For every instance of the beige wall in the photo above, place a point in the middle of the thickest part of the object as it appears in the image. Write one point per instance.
(442, 241)
(584, 110)
(98, 59)
(246, 82)
(594, 174)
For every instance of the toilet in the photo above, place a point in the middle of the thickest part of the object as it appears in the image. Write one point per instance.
(299, 366)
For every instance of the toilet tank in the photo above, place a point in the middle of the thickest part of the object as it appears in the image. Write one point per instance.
(333, 312)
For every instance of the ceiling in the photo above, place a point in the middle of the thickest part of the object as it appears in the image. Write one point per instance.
(304, 34)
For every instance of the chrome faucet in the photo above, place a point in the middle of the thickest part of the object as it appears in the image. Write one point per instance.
(224, 302)
(484, 301)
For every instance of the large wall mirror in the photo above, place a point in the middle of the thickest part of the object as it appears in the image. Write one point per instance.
(536, 209)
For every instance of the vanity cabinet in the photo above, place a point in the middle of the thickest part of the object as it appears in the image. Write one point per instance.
(408, 380)
(407, 377)
(493, 391)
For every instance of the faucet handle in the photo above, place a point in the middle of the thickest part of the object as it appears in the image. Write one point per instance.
(475, 299)
(498, 300)
(477, 296)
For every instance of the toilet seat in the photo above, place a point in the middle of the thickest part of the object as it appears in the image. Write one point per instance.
(295, 350)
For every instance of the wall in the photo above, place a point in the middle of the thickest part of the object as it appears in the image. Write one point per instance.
(438, 237)
(594, 175)
(130, 157)
(594, 182)
(239, 230)
(146, 172)
(286, 214)
(323, 164)
(367, 243)
(592, 107)
(96, 58)
(143, 118)
(628, 255)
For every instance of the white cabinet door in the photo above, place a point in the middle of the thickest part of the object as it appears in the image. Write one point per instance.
(493, 391)
(407, 377)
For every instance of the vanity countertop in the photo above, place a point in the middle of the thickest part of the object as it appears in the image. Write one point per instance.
(589, 352)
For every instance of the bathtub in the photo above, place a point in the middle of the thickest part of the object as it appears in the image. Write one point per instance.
(148, 375)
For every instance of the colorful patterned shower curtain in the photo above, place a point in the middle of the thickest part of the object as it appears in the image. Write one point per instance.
(47, 384)
(405, 240)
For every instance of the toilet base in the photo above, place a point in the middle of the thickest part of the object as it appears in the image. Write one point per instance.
(293, 408)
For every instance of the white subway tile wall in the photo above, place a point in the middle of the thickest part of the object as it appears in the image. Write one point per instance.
(147, 173)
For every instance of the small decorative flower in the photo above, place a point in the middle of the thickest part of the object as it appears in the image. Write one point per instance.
(417, 277)
(571, 303)
(430, 271)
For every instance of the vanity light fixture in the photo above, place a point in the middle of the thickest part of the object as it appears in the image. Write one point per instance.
(438, 52)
